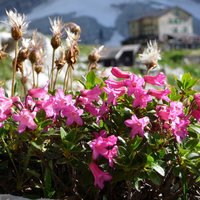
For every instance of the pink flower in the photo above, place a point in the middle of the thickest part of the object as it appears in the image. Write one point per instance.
(174, 119)
(141, 98)
(5, 106)
(160, 94)
(114, 84)
(39, 92)
(197, 99)
(88, 96)
(179, 128)
(135, 82)
(114, 94)
(48, 106)
(61, 100)
(163, 112)
(104, 146)
(196, 114)
(73, 115)
(25, 119)
(137, 125)
(119, 74)
(92, 109)
(99, 176)
(159, 79)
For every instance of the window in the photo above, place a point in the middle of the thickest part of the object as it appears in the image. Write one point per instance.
(185, 30)
(175, 30)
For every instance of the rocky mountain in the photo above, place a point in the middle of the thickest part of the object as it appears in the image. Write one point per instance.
(22, 6)
(102, 22)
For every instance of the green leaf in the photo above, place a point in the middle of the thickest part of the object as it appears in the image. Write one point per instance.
(191, 144)
(41, 115)
(198, 179)
(150, 159)
(136, 142)
(63, 134)
(194, 127)
(158, 169)
(174, 95)
(90, 80)
(45, 123)
(48, 192)
(188, 81)
(154, 177)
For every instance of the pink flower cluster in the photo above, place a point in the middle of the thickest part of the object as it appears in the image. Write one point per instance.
(196, 111)
(106, 147)
(137, 125)
(135, 86)
(5, 107)
(97, 103)
(174, 119)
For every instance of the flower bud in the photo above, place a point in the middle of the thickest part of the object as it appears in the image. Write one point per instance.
(16, 33)
(38, 69)
(55, 41)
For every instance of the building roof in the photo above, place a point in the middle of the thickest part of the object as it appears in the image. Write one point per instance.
(116, 52)
(159, 12)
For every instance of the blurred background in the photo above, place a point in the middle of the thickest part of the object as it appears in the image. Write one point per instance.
(122, 26)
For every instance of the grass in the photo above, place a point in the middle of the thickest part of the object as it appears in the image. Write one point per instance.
(174, 59)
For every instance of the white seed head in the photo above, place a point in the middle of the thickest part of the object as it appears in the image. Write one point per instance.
(151, 54)
(71, 37)
(25, 43)
(17, 20)
(56, 26)
(97, 50)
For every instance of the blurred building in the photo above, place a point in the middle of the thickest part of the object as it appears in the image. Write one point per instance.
(172, 25)
(119, 56)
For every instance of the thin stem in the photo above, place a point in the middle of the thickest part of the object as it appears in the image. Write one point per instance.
(66, 78)
(23, 84)
(14, 69)
(33, 73)
(54, 84)
(52, 67)
(11, 159)
(37, 83)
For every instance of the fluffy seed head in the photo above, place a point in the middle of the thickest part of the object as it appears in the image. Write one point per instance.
(18, 23)
(151, 55)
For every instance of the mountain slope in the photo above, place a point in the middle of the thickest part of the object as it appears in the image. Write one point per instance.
(101, 21)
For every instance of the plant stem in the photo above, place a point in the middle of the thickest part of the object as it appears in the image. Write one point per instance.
(52, 74)
(14, 69)
(68, 78)
(54, 84)
(33, 73)
(23, 84)
(37, 83)
(10, 156)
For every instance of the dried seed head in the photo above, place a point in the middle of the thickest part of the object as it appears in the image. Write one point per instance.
(3, 54)
(34, 56)
(56, 29)
(61, 61)
(23, 55)
(71, 55)
(55, 41)
(18, 23)
(74, 28)
(36, 48)
(72, 51)
(94, 57)
(19, 65)
(24, 50)
(151, 55)
(38, 69)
